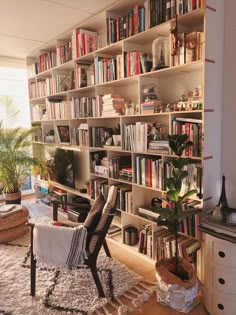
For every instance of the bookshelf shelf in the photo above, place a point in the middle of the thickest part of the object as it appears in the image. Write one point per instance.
(182, 77)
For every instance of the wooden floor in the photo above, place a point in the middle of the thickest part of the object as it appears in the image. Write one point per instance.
(147, 270)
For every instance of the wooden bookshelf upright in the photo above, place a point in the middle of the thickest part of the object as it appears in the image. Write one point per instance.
(120, 65)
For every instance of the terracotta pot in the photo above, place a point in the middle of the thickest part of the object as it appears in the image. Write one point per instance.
(14, 198)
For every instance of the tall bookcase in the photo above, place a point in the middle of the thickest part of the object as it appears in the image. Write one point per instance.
(56, 84)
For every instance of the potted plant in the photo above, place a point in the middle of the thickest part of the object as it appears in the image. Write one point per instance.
(116, 135)
(176, 270)
(15, 159)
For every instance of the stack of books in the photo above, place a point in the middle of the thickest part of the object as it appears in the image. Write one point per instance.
(126, 174)
(113, 105)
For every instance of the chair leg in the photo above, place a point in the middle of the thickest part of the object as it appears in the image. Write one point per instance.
(32, 267)
(107, 251)
(97, 280)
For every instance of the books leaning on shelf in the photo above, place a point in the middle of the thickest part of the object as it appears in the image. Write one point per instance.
(84, 75)
(83, 42)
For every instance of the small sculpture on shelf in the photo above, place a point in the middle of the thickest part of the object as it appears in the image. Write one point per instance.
(161, 52)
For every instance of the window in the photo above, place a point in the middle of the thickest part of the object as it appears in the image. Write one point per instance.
(13, 82)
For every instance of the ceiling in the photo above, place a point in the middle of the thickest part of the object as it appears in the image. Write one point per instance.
(27, 24)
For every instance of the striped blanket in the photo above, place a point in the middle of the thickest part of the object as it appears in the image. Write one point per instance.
(58, 246)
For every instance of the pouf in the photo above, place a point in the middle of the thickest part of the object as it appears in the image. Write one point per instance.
(13, 225)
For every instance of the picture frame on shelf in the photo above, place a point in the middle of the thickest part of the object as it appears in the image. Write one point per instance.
(63, 132)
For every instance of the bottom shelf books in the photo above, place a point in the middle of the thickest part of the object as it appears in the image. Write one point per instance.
(160, 244)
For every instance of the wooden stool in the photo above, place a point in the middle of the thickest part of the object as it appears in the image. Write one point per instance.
(14, 225)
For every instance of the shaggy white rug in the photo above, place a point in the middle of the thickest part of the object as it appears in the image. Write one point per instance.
(64, 292)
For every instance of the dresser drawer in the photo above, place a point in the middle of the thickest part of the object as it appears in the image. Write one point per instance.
(224, 253)
(223, 304)
(224, 279)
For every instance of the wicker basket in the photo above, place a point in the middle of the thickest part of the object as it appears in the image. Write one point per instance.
(13, 225)
(13, 233)
(14, 219)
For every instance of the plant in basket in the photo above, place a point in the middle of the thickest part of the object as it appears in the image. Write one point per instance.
(176, 270)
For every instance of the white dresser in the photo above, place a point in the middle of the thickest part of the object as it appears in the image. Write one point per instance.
(220, 275)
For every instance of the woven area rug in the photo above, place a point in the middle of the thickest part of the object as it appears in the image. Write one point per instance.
(65, 292)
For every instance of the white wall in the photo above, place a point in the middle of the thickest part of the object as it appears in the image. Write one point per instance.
(228, 166)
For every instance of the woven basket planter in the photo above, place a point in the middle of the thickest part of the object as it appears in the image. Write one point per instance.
(14, 198)
(181, 295)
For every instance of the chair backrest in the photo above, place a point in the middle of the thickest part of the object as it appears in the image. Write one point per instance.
(96, 241)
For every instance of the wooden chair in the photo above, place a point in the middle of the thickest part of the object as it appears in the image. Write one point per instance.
(95, 240)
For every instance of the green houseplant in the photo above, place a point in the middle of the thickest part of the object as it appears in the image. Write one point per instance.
(172, 215)
(183, 287)
(15, 159)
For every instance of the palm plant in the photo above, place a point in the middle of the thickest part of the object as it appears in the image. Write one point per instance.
(15, 159)
(172, 215)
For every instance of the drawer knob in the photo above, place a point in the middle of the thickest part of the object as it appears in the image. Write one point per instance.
(221, 254)
(220, 306)
(221, 281)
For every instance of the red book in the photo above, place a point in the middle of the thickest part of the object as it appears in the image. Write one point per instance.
(149, 172)
(187, 131)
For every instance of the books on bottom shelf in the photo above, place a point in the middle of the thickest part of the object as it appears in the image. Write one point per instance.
(6, 210)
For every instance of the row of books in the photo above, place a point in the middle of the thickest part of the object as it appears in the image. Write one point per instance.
(192, 181)
(99, 185)
(47, 61)
(84, 75)
(193, 128)
(164, 246)
(124, 199)
(136, 62)
(191, 48)
(99, 136)
(79, 135)
(83, 42)
(83, 107)
(120, 27)
(161, 11)
(148, 171)
(160, 244)
(105, 69)
(135, 136)
(64, 52)
(120, 168)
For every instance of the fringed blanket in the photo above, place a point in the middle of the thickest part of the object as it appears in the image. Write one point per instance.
(59, 246)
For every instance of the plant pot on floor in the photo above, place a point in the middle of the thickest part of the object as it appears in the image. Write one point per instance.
(14, 198)
(181, 295)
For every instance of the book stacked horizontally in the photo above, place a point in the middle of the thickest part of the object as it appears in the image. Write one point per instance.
(159, 146)
(6, 210)
(113, 105)
(114, 230)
